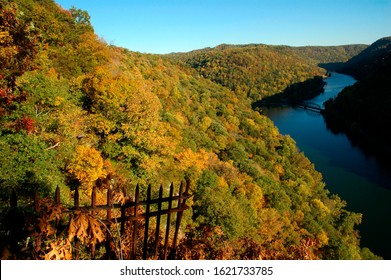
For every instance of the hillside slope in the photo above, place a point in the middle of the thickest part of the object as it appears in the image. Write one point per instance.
(363, 111)
(364, 63)
(329, 54)
(253, 71)
(258, 71)
(75, 111)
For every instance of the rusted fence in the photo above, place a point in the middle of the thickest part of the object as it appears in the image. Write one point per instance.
(139, 219)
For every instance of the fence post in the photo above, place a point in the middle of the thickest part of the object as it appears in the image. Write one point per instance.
(57, 202)
(76, 200)
(135, 222)
(108, 217)
(157, 233)
(178, 221)
(93, 201)
(38, 240)
(13, 199)
(14, 227)
(134, 215)
(123, 212)
(147, 211)
(93, 205)
(57, 198)
(109, 203)
(36, 201)
(166, 238)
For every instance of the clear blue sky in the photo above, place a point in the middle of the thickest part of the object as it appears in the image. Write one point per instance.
(165, 26)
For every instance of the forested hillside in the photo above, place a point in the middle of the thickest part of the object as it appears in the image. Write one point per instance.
(366, 62)
(330, 57)
(75, 111)
(363, 111)
(258, 71)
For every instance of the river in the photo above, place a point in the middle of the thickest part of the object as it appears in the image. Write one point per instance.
(356, 177)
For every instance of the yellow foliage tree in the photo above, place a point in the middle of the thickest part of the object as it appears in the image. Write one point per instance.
(87, 166)
(188, 159)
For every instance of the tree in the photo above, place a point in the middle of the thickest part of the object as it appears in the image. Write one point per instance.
(87, 166)
(81, 18)
(18, 46)
(18, 43)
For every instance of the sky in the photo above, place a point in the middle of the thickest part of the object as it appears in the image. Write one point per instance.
(165, 26)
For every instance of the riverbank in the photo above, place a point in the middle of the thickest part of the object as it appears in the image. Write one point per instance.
(295, 93)
(363, 112)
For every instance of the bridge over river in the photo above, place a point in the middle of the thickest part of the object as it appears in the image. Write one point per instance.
(309, 106)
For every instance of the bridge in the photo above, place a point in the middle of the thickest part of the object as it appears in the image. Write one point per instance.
(310, 106)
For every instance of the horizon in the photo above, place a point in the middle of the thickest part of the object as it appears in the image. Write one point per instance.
(162, 27)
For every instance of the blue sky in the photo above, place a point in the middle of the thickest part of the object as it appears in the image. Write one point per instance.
(165, 26)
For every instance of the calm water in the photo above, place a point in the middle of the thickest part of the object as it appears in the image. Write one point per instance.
(357, 178)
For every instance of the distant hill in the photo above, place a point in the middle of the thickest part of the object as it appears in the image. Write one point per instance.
(329, 57)
(257, 71)
(363, 110)
(365, 62)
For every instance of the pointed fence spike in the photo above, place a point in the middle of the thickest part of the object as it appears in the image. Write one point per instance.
(13, 199)
(93, 197)
(157, 230)
(178, 220)
(76, 199)
(167, 235)
(135, 223)
(57, 196)
(161, 189)
(109, 203)
(147, 217)
(36, 201)
(171, 189)
(180, 195)
(187, 186)
(124, 191)
(137, 194)
(123, 214)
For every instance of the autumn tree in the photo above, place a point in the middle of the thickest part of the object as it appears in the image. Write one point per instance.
(18, 46)
(87, 166)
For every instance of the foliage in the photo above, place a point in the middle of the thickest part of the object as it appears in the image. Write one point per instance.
(253, 71)
(87, 166)
(296, 93)
(84, 112)
(331, 57)
(18, 44)
(27, 165)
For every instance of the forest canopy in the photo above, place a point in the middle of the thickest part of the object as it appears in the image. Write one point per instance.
(75, 111)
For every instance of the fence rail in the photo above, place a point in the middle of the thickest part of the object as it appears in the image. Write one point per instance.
(135, 213)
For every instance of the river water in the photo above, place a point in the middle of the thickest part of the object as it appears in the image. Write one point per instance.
(355, 176)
